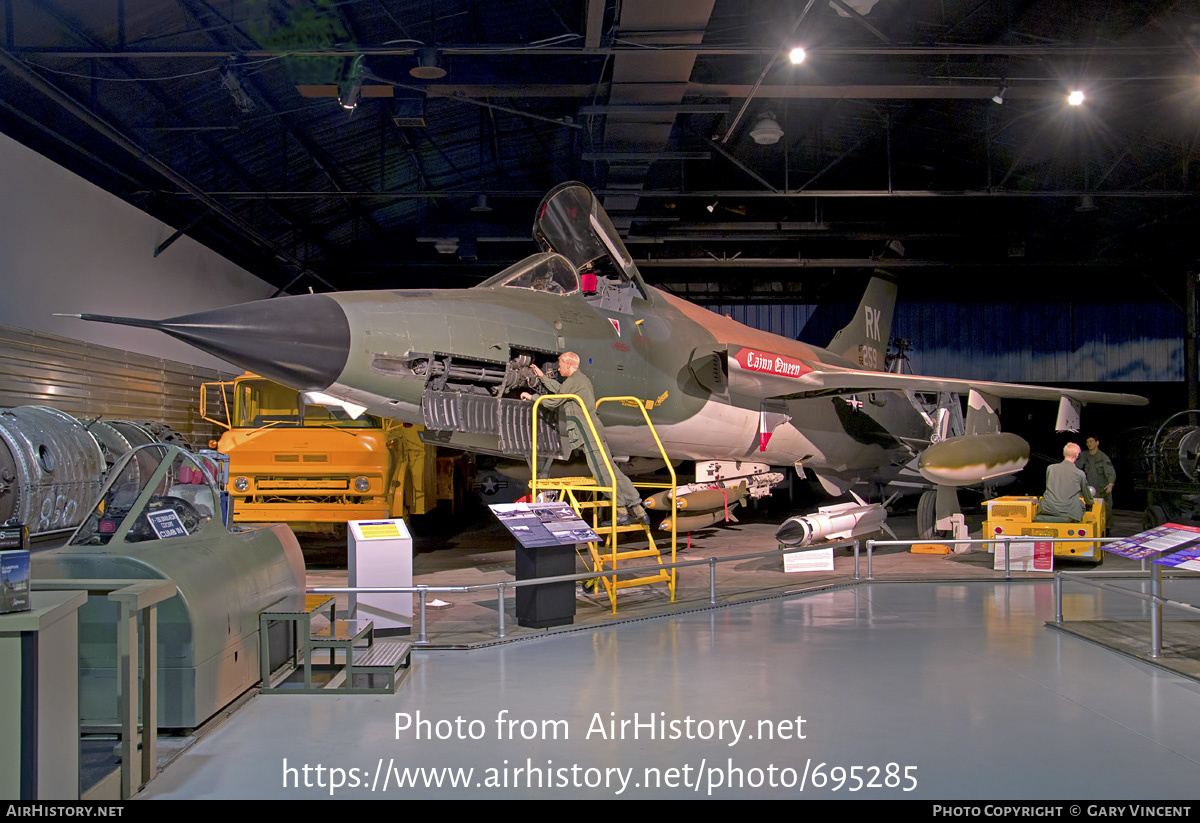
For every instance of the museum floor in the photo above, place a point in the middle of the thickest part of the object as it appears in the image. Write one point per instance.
(954, 690)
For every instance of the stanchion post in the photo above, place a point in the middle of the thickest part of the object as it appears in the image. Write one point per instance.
(1156, 611)
(856, 558)
(870, 549)
(1007, 558)
(1058, 597)
(421, 636)
(500, 605)
(712, 580)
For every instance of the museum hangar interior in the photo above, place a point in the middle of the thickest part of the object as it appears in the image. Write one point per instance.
(1025, 172)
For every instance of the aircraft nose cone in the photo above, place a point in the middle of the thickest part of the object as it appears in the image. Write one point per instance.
(299, 341)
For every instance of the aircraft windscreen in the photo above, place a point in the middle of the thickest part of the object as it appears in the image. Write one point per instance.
(157, 492)
(549, 273)
(571, 222)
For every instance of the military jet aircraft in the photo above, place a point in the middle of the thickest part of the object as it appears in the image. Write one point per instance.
(457, 361)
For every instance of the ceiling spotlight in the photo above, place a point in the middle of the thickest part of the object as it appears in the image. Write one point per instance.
(712, 206)
(766, 131)
(429, 66)
(797, 55)
(350, 89)
(1075, 98)
(481, 204)
(998, 98)
(349, 98)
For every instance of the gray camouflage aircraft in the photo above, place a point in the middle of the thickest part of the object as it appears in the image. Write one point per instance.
(456, 361)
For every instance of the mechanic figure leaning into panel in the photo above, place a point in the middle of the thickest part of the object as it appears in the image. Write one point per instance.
(576, 382)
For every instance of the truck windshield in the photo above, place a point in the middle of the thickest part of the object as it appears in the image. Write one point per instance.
(263, 403)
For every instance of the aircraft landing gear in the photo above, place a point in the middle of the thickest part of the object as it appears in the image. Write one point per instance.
(927, 516)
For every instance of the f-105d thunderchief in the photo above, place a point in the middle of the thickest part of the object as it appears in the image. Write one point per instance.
(457, 361)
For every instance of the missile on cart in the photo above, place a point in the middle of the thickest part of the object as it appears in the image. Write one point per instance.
(964, 461)
(695, 522)
(841, 522)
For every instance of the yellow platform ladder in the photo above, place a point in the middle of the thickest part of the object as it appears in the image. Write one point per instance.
(584, 493)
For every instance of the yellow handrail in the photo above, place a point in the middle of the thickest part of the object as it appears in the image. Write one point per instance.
(627, 400)
(641, 406)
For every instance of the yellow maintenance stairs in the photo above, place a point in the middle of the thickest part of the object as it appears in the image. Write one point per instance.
(584, 493)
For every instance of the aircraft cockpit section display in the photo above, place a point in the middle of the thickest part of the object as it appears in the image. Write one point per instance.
(157, 492)
(159, 518)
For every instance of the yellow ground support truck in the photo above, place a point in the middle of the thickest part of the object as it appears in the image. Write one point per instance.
(1017, 516)
(315, 466)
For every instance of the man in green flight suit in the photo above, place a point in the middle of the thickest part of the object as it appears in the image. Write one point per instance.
(578, 435)
(1098, 468)
(1065, 484)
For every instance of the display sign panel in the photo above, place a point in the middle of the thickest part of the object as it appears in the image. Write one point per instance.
(1147, 544)
(1188, 559)
(1027, 556)
(166, 523)
(817, 560)
(544, 524)
(379, 531)
(14, 580)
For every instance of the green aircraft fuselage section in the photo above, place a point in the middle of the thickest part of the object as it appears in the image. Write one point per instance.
(460, 363)
(645, 352)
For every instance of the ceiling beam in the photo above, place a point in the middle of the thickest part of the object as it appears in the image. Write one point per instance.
(707, 193)
(526, 50)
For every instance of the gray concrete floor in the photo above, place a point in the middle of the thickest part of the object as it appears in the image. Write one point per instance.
(484, 555)
(953, 690)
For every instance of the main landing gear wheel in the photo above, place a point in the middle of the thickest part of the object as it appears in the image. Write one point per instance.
(927, 516)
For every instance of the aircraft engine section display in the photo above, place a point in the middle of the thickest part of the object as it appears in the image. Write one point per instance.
(157, 518)
(52, 465)
(1168, 458)
(50, 468)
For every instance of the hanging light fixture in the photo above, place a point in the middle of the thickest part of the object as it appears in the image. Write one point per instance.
(998, 98)
(350, 89)
(712, 206)
(429, 66)
(766, 131)
(481, 204)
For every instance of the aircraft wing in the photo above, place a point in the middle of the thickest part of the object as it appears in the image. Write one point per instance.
(779, 376)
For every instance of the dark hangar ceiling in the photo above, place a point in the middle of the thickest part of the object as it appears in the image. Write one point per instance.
(225, 119)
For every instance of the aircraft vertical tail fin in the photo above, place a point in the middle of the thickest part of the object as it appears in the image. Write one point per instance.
(865, 340)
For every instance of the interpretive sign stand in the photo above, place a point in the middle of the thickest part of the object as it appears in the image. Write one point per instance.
(546, 534)
(380, 554)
